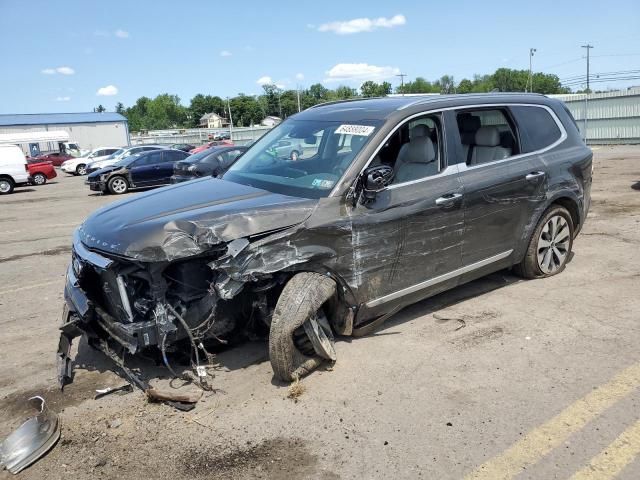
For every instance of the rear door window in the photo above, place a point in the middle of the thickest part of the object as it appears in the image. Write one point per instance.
(487, 135)
(537, 127)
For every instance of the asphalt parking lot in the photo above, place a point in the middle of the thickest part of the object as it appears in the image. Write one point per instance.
(500, 378)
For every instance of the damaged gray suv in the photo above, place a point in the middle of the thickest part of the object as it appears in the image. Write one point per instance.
(388, 201)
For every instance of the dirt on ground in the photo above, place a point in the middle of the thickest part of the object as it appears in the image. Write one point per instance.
(444, 386)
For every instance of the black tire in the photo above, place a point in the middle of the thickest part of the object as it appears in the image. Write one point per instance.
(39, 179)
(300, 299)
(118, 185)
(81, 169)
(295, 155)
(6, 185)
(530, 267)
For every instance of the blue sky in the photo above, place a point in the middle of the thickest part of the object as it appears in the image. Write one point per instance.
(71, 55)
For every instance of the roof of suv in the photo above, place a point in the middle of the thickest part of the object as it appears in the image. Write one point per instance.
(381, 108)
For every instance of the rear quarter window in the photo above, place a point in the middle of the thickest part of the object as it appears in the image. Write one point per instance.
(537, 127)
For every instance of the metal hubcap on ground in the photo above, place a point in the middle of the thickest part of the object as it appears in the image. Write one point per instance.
(4, 186)
(553, 244)
(39, 179)
(318, 330)
(119, 185)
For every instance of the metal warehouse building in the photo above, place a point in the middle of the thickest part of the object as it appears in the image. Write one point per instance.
(89, 130)
(609, 117)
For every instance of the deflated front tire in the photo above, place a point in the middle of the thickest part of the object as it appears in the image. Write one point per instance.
(299, 306)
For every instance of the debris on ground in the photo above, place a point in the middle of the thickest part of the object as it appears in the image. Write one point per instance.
(296, 389)
(184, 401)
(32, 440)
(103, 392)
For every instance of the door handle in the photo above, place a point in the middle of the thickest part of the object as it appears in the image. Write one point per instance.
(448, 199)
(533, 175)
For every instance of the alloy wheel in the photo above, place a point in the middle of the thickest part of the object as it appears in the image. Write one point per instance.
(553, 244)
(119, 185)
(5, 186)
(39, 179)
(82, 169)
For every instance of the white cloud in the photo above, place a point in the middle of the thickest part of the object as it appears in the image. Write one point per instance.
(121, 33)
(358, 25)
(107, 91)
(299, 76)
(359, 71)
(63, 99)
(264, 80)
(225, 53)
(60, 70)
(65, 70)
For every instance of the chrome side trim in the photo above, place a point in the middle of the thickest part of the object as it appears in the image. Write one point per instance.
(85, 254)
(436, 280)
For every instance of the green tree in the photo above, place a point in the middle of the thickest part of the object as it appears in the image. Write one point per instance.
(99, 109)
(373, 89)
(119, 108)
(201, 104)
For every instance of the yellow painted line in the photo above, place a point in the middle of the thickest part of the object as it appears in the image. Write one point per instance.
(541, 440)
(612, 460)
(28, 287)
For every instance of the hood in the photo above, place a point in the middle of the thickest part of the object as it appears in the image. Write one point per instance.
(189, 218)
(102, 171)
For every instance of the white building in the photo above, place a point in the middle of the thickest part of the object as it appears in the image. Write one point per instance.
(270, 121)
(88, 130)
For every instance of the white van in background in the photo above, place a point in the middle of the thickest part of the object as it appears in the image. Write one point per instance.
(13, 168)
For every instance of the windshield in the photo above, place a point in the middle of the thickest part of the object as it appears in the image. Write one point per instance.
(303, 158)
(115, 154)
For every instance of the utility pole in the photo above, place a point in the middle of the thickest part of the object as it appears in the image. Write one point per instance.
(588, 47)
(586, 96)
(401, 75)
(230, 120)
(531, 52)
(298, 94)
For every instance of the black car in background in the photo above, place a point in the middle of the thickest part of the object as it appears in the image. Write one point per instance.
(185, 147)
(213, 161)
(148, 169)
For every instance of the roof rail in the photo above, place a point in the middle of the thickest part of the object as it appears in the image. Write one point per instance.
(346, 100)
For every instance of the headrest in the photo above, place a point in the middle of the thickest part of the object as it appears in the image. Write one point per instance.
(420, 150)
(420, 130)
(488, 136)
(357, 141)
(468, 122)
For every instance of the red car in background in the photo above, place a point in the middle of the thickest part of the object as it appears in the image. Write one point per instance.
(56, 158)
(222, 143)
(40, 172)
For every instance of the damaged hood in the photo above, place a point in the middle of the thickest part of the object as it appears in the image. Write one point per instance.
(189, 218)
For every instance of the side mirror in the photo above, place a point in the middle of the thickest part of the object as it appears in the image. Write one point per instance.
(374, 180)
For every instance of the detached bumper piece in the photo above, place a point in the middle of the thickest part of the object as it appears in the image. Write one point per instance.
(32, 440)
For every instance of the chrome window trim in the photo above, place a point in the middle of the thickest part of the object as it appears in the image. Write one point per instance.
(435, 280)
(462, 166)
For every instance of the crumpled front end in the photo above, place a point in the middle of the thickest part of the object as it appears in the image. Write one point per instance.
(125, 304)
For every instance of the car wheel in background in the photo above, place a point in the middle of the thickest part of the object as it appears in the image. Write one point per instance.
(550, 245)
(39, 178)
(81, 169)
(6, 186)
(295, 155)
(118, 185)
(300, 336)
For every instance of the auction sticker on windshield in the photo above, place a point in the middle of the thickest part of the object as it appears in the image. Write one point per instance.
(320, 183)
(362, 130)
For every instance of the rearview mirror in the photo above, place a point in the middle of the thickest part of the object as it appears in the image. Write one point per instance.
(374, 180)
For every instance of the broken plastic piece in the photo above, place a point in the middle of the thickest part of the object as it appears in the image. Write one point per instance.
(31, 440)
(128, 388)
